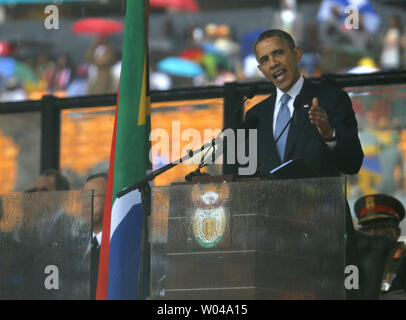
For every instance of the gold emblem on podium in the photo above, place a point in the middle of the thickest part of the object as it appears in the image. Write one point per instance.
(209, 220)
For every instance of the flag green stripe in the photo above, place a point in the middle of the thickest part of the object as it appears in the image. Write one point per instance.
(131, 143)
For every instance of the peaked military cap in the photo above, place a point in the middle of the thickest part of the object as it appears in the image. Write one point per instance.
(378, 208)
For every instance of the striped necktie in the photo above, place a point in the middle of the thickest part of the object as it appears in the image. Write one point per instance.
(281, 120)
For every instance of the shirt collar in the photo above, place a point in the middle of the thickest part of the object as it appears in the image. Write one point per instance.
(293, 92)
(98, 237)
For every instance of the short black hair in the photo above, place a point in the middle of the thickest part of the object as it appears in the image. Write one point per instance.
(61, 182)
(97, 175)
(276, 33)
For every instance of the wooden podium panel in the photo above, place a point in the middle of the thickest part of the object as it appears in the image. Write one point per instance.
(249, 240)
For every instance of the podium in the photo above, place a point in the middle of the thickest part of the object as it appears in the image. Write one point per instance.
(267, 239)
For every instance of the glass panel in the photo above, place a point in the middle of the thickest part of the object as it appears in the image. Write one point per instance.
(86, 137)
(85, 142)
(381, 116)
(249, 240)
(45, 245)
(20, 136)
(181, 124)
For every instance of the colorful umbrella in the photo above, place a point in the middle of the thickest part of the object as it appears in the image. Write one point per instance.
(193, 54)
(100, 26)
(5, 48)
(184, 5)
(9, 68)
(180, 67)
(24, 72)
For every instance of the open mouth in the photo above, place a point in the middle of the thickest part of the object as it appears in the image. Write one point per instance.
(279, 75)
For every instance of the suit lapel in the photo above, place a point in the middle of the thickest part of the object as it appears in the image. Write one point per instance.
(305, 97)
(269, 154)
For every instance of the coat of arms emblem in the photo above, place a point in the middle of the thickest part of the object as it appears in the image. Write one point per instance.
(209, 220)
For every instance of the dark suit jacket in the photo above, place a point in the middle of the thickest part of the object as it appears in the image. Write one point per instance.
(304, 141)
(94, 270)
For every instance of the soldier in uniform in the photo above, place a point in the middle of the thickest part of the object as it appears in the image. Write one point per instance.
(380, 214)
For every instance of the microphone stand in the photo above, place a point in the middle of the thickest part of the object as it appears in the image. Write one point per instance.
(165, 168)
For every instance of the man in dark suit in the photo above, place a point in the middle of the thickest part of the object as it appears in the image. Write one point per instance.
(97, 183)
(323, 129)
(303, 120)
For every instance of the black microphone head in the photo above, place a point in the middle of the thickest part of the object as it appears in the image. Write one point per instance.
(250, 123)
(251, 92)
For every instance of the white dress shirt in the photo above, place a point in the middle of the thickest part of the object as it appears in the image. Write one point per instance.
(98, 238)
(293, 92)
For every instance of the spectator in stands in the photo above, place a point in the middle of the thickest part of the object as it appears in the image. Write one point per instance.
(310, 48)
(403, 47)
(390, 54)
(97, 183)
(228, 48)
(224, 76)
(62, 74)
(380, 214)
(101, 57)
(45, 71)
(331, 24)
(116, 72)
(78, 87)
(13, 91)
(52, 180)
(289, 19)
(360, 37)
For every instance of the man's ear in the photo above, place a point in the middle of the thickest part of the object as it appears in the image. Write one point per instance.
(297, 51)
(260, 70)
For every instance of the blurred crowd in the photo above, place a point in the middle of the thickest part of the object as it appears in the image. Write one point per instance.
(29, 78)
(213, 54)
(339, 41)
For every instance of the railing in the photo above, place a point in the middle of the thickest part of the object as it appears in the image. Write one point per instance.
(233, 93)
